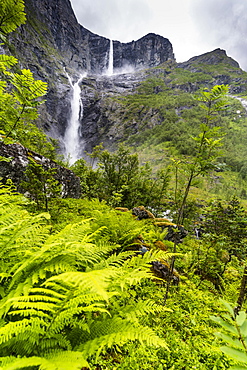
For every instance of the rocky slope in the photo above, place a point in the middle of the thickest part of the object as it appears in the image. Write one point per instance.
(14, 169)
(53, 43)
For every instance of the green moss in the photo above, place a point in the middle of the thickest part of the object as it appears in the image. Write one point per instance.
(182, 76)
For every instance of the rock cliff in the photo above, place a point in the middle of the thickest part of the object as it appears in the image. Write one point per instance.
(83, 50)
(52, 42)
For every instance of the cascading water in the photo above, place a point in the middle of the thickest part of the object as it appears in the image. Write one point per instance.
(110, 60)
(72, 142)
(242, 100)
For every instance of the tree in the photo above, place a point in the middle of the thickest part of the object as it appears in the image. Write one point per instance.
(227, 219)
(120, 180)
(20, 93)
(208, 142)
(40, 184)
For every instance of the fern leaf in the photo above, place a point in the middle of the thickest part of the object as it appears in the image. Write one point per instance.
(96, 281)
(68, 360)
(105, 334)
(115, 260)
(53, 342)
(26, 362)
(56, 361)
(142, 308)
(13, 329)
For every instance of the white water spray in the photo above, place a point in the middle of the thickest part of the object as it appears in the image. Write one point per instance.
(110, 60)
(72, 138)
(243, 102)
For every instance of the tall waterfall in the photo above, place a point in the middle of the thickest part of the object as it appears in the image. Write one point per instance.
(110, 60)
(72, 134)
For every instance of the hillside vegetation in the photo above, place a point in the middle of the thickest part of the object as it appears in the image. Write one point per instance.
(147, 269)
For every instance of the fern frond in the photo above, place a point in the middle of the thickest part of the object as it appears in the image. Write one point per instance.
(19, 231)
(96, 281)
(61, 291)
(16, 328)
(62, 360)
(142, 308)
(78, 232)
(145, 259)
(105, 334)
(26, 362)
(58, 255)
(53, 342)
(114, 260)
(68, 360)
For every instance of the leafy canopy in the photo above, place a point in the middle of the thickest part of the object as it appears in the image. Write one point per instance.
(20, 92)
(12, 15)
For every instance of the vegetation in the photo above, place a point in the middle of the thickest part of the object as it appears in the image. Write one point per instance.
(20, 93)
(120, 180)
(64, 296)
(84, 282)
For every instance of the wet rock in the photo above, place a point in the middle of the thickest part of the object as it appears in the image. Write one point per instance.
(142, 213)
(18, 159)
(162, 270)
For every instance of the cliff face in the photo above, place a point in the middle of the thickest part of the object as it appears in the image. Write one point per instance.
(84, 50)
(52, 43)
(149, 51)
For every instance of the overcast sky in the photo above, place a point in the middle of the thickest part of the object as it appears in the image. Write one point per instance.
(192, 26)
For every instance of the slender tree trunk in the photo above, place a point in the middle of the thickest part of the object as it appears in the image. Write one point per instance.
(176, 237)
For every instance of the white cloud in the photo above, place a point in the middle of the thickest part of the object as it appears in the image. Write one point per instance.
(193, 26)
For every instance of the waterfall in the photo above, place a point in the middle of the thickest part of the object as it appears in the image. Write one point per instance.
(243, 102)
(110, 60)
(72, 135)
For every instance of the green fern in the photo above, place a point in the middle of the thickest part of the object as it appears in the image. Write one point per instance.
(69, 250)
(64, 295)
(57, 361)
(107, 333)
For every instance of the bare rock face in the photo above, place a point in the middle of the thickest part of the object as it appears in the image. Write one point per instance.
(149, 51)
(84, 50)
(52, 43)
(102, 116)
(18, 157)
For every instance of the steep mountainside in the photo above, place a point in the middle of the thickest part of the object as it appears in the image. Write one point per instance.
(54, 46)
(52, 42)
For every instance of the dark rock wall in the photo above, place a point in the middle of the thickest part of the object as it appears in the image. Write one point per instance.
(52, 42)
(149, 51)
(15, 168)
(84, 50)
(102, 119)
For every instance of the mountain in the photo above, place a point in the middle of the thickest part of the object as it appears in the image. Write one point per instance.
(55, 46)
(52, 42)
